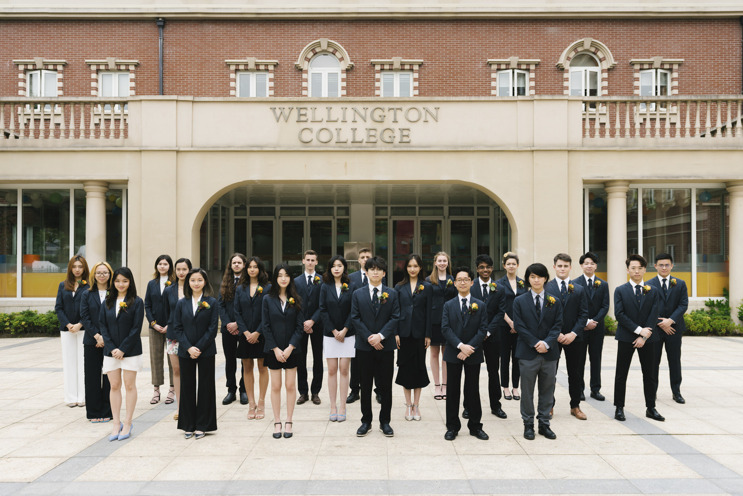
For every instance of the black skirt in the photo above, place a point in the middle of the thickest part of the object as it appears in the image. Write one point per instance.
(437, 339)
(411, 363)
(273, 364)
(248, 350)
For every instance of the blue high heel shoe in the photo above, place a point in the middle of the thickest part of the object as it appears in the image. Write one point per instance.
(126, 436)
(114, 437)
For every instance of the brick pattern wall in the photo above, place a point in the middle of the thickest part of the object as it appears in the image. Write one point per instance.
(113, 65)
(39, 63)
(396, 64)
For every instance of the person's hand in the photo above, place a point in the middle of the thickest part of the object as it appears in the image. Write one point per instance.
(541, 347)
(194, 352)
(568, 338)
(374, 340)
(252, 336)
(287, 352)
(467, 350)
(340, 336)
(591, 325)
(666, 326)
(639, 342)
(279, 355)
(76, 328)
(512, 331)
(99, 341)
(428, 342)
(308, 326)
(397, 341)
(159, 328)
(461, 356)
(117, 354)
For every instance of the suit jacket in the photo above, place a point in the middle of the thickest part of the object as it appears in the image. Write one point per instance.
(470, 330)
(199, 330)
(154, 304)
(532, 329)
(249, 309)
(574, 307)
(310, 297)
(122, 331)
(367, 321)
(90, 310)
(67, 306)
(170, 300)
(630, 315)
(509, 297)
(226, 310)
(476, 289)
(355, 278)
(672, 305)
(495, 307)
(335, 310)
(441, 294)
(281, 327)
(415, 311)
(597, 300)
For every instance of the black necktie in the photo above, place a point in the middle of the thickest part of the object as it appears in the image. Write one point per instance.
(363, 279)
(590, 285)
(638, 293)
(563, 289)
(484, 291)
(375, 298)
(309, 280)
(237, 279)
(464, 307)
(665, 288)
(538, 306)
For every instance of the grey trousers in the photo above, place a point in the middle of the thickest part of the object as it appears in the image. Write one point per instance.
(545, 371)
(157, 353)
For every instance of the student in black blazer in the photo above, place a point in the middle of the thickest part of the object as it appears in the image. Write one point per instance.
(442, 284)
(154, 309)
(674, 301)
(597, 298)
(120, 322)
(537, 317)
(67, 307)
(195, 322)
(512, 286)
(282, 327)
(636, 307)
(97, 387)
(308, 288)
(358, 279)
(375, 311)
(413, 333)
(233, 276)
(464, 325)
(172, 294)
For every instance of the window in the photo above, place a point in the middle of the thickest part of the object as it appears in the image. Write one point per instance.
(324, 75)
(252, 84)
(397, 83)
(584, 76)
(654, 82)
(41, 83)
(512, 82)
(113, 84)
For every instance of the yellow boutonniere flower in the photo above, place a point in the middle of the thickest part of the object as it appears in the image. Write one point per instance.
(448, 283)
(474, 308)
(168, 283)
(344, 287)
(645, 289)
(520, 284)
(290, 302)
(203, 305)
(571, 288)
(596, 283)
(383, 297)
(317, 280)
(419, 289)
(673, 281)
(259, 290)
(123, 305)
(493, 287)
(83, 282)
(550, 301)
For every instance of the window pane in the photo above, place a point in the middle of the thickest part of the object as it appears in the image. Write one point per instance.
(8, 242)
(316, 84)
(388, 84)
(583, 60)
(381, 239)
(333, 84)
(646, 83)
(123, 84)
(262, 241)
(597, 222)
(593, 83)
(405, 84)
(663, 83)
(107, 85)
(504, 83)
(326, 61)
(341, 234)
(483, 236)
(632, 238)
(461, 242)
(576, 82)
(261, 85)
(520, 83)
(713, 252)
(79, 241)
(33, 83)
(115, 227)
(666, 228)
(243, 84)
(50, 88)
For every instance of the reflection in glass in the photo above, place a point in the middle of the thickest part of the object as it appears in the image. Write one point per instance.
(8, 242)
(262, 242)
(321, 240)
(461, 242)
(403, 232)
(430, 242)
(713, 252)
(292, 243)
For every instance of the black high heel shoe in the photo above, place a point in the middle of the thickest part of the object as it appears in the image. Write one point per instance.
(287, 435)
(277, 435)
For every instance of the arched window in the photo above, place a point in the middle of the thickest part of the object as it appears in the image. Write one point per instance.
(324, 76)
(324, 65)
(586, 62)
(584, 75)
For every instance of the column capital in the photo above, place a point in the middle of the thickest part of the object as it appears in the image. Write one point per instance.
(735, 188)
(616, 188)
(93, 187)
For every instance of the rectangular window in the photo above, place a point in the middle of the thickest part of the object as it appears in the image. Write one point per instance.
(512, 82)
(113, 84)
(713, 241)
(41, 83)
(397, 84)
(8, 242)
(655, 82)
(252, 84)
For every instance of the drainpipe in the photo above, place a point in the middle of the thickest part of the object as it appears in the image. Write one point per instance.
(160, 25)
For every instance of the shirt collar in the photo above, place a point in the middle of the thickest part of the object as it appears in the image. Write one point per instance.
(534, 295)
(667, 278)
(587, 278)
(371, 288)
(558, 280)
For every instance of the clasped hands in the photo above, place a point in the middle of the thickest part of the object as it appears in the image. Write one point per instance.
(252, 337)
(645, 334)
(340, 336)
(541, 347)
(566, 339)
(73, 328)
(465, 351)
(194, 352)
(591, 325)
(375, 340)
(283, 355)
(666, 326)
(308, 326)
(117, 354)
(232, 328)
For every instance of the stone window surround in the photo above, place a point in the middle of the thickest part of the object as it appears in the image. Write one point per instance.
(528, 65)
(251, 64)
(323, 45)
(112, 64)
(395, 64)
(595, 48)
(670, 65)
(40, 63)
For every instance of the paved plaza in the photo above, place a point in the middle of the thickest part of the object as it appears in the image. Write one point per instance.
(48, 448)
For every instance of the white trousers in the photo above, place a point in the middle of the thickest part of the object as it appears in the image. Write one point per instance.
(73, 366)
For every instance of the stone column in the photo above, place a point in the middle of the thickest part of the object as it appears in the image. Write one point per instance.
(616, 234)
(95, 221)
(735, 188)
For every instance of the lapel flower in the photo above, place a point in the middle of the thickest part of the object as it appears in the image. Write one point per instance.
(259, 290)
(596, 283)
(645, 289)
(550, 301)
(202, 305)
(474, 308)
(520, 283)
(493, 287)
(383, 297)
(290, 301)
(448, 283)
(83, 282)
(419, 289)
(168, 283)
(673, 281)
(316, 280)
(571, 288)
(344, 287)
(123, 306)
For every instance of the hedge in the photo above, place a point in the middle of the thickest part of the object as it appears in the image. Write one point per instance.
(29, 323)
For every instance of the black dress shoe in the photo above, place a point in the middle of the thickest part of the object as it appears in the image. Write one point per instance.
(379, 398)
(652, 413)
(582, 397)
(303, 398)
(316, 399)
(243, 398)
(619, 414)
(480, 435)
(386, 430)
(678, 398)
(545, 431)
(353, 396)
(230, 398)
(465, 414)
(499, 413)
(597, 396)
(450, 435)
(363, 430)
(529, 432)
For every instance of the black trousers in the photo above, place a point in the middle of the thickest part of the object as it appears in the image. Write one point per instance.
(471, 395)
(491, 348)
(575, 362)
(229, 345)
(355, 381)
(508, 353)
(649, 366)
(97, 387)
(197, 409)
(376, 368)
(315, 339)
(673, 355)
(595, 343)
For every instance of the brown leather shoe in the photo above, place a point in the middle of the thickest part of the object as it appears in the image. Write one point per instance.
(303, 398)
(577, 413)
(316, 399)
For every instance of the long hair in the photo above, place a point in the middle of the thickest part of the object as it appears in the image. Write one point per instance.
(188, 292)
(291, 289)
(434, 278)
(171, 268)
(406, 276)
(69, 282)
(262, 274)
(185, 261)
(94, 283)
(227, 291)
(328, 278)
(131, 293)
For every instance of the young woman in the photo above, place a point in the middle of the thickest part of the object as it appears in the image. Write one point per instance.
(282, 328)
(338, 335)
(120, 323)
(171, 296)
(513, 286)
(154, 308)
(248, 312)
(233, 276)
(195, 324)
(97, 387)
(413, 333)
(443, 290)
(69, 296)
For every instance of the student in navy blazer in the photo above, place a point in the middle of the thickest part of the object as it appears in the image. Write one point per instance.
(154, 309)
(358, 279)
(233, 276)
(97, 387)
(67, 308)
(308, 289)
(195, 323)
(171, 295)
(636, 307)
(442, 284)
(512, 286)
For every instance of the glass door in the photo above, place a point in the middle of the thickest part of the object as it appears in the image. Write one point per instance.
(292, 245)
(261, 240)
(403, 240)
(431, 240)
(461, 242)
(321, 240)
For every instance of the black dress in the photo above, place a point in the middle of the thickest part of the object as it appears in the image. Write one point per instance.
(442, 292)
(414, 327)
(248, 315)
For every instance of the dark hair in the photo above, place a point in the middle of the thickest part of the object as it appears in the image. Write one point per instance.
(484, 258)
(171, 268)
(228, 286)
(262, 274)
(406, 276)
(328, 278)
(509, 254)
(309, 252)
(185, 261)
(69, 282)
(563, 257)
(377, 262)
(591, 255)
(291, 289)
(537, 269)
(113, 293)
(93, 282)
(636, 258)
(663, 256)
(188, 292)
(464, 268)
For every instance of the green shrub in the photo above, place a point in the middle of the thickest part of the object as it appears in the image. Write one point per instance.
(714, 319)
(29, 322)
(611, 325)
(740, 312)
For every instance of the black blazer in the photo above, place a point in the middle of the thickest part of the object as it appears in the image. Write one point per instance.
(356, 279)
(471, 330)
(476, 289)
(281, 328)
(441, 294)
(509, 297)
(170, 300)
(630, 315)
(154, 304)
(495, 310)
(367, 322)
(531, 329)
(67, 306)
(90, 310)
(597, 300)
(249, 309)
(199, 330)
(226, 310)
(574, 307)
(674, 304)
(335, 311)
(415, 310)
(310, 297)
(122, 331)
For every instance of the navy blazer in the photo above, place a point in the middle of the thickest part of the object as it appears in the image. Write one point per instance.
(170, 300)
(673, 305)
(597, 300)
(249, 309)
(90, 310)
(281, 327)
(574, 307)
(441, 294)
(415, 310)
(509, 297)
(154, 304)
(122, 331)
(199, 330)
(67, 306)
(470, 330)
(531, 329)
(494, 306)
(476, 289)
(310, 297)
(630, 315)
(356, 279)
(335, 311)
(226, 310)
(367, 322)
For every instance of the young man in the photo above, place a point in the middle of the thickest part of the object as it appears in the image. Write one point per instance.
(674, 300)
(537, 318)
(570, 340)
(636, 310)
(375, 311)
(464, 324)
(358, 280)
(308, 287)
(597, 298)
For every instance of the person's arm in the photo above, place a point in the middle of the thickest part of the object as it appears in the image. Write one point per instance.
(296, 337)
(428, 293)
(325, 321)
(348, 323)
(85, 317)
(266, 324)
(207, 339)
(128, 343)
(556, 329)
(580, 322)
(496, 310)
(108, 344)
(148, 304)
(482, 327)
(389, 329)
(678, 314)
(446, 330)
(604, 310)
(358, 324)
(59, 308)
(224, 316)
(623, 319)
(242, 326)
(524, 333)
(177, 322)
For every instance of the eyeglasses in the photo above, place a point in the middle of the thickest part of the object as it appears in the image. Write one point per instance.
(664, 266)
(481, 267)
(462, 280)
